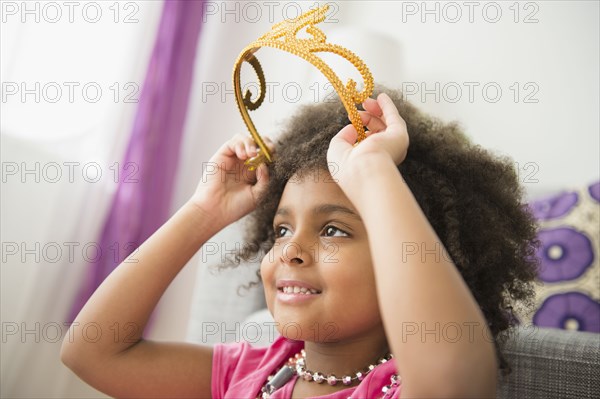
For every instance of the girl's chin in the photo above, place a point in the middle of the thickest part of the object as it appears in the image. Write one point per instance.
(293, 326)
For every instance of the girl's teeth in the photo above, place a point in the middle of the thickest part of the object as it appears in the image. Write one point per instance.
(298, 290)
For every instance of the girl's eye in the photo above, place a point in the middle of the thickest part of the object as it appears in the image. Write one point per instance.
(330, 231)
(281, 231)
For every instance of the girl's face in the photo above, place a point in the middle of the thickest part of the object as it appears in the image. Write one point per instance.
(321, 243)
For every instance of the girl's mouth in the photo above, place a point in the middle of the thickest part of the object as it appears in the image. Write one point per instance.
(298, 290)
(295, 295)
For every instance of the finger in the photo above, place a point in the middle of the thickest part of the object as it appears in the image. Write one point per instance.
(270, 144)
(341, 143)
(250, 147)
(229, 147)
(373, 123)
(391, 116)
(347, 135)
(372, 106)
(240, 151)
(262, 179)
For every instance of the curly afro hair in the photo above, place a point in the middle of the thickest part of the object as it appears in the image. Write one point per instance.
(471, 198)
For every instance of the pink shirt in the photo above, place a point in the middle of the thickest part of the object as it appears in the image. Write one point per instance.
(240, 370)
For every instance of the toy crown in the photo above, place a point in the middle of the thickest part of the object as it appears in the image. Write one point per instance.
(283, 36)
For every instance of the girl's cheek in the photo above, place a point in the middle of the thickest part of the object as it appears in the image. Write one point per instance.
(267, 275)
(267, 266)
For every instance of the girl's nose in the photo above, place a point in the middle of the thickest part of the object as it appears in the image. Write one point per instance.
(295, 254)
(297, 261)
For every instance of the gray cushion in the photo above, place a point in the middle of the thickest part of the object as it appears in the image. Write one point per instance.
(551, 363)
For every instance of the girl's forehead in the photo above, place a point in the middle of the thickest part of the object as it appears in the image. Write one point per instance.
(315, 184)
(312, 191)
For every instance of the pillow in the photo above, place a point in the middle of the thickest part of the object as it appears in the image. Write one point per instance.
(568, 294)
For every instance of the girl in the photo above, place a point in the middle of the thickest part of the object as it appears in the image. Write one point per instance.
(396, 265)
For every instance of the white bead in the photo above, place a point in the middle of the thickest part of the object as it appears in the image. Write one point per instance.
(318, 377)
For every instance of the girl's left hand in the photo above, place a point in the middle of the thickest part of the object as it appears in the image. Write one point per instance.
(386, 136)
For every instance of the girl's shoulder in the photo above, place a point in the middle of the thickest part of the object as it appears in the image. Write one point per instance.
(240, 367)
(235, 352)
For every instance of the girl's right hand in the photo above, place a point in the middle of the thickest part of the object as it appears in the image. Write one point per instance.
(228, 190)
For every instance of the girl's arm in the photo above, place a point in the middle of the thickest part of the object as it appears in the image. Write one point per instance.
(433, 323)
(120, 362)
(431, 318)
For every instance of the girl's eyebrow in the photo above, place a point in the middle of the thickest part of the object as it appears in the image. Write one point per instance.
(324, 209)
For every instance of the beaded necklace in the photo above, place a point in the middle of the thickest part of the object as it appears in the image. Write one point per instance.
(297, 365)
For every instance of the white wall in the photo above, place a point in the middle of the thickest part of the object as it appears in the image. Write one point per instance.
(558, 56)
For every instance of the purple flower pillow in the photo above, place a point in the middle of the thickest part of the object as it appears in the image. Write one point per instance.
(568, 295)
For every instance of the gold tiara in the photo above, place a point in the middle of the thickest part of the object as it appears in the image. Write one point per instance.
(283, 36)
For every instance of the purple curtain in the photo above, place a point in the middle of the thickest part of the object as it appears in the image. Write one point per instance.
(141, 203)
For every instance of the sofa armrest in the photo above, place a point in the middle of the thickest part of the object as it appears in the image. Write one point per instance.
(551, 363)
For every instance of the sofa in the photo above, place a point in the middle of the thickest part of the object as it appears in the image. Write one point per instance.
(551, 363)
